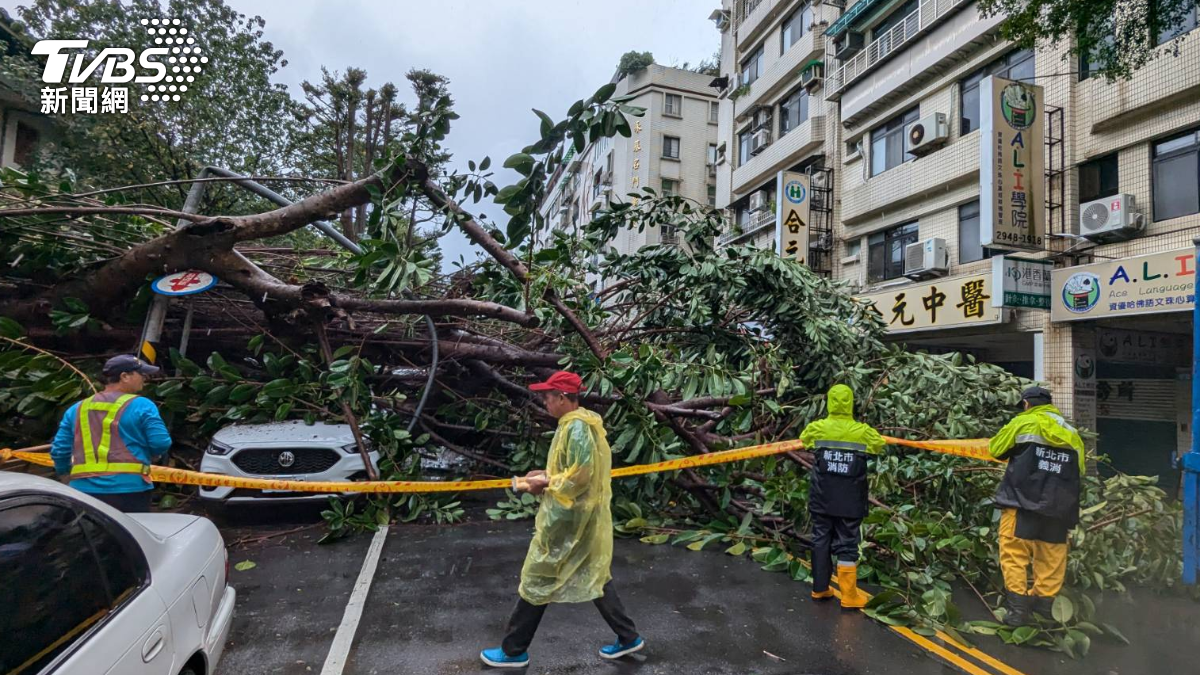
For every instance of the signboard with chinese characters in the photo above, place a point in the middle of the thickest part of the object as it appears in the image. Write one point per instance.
(1011, 159)
(1020, 282)
(1144, 284)
(944, 303)
(792, 216)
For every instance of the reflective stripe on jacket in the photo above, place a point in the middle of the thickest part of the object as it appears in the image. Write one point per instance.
(99, 449)
(1045, 464)
(838, 485)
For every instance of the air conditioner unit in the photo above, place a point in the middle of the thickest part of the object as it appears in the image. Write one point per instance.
(759, 141)
(812, 77)
(606, 178)
(1113, 218)
(849, 44)
(712, 169)
(762, 118)
(927, 134)
(819, 180)
(926, 259)
(758, 201)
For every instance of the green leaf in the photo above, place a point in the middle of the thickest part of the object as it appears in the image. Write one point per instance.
(604, 92)
(487, 161)
(656, 539)
(519, 161)
(1063, 609)
(737, 549)
(10, 328)
(1112, 630)
(245, 565)
(1024, 634)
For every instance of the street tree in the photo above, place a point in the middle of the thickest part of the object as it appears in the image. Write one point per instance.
(1115, 37)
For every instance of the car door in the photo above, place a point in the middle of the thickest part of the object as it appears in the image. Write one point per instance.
(77, 594)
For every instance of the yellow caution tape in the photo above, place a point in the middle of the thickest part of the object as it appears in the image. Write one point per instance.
(973, 448)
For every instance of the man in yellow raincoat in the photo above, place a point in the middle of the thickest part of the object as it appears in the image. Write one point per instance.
(1039, 502)
(837, 494)
(570, 557)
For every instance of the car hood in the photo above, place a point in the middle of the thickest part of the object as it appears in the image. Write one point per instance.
(164, 525)
(284, 433)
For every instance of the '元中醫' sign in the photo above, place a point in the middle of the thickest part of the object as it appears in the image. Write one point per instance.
(944, 303)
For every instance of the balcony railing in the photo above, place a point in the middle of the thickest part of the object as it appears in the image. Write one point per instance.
(928, 13)
(757, 222)
(743, 9)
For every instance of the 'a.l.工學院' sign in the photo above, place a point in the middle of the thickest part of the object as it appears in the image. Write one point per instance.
(1011, 187)
(1144, 284)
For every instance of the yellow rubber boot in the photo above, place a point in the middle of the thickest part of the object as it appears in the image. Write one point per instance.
(848, 581)
(822, 595)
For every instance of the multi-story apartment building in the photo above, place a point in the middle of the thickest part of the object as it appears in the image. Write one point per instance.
(672, 149)
(1098, 315)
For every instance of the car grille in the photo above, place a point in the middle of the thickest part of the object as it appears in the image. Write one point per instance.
(266, 461)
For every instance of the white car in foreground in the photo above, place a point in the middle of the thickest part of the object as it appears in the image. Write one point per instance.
(285, 451)
(91, 591)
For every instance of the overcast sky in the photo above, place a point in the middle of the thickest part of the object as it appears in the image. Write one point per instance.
(503, 57)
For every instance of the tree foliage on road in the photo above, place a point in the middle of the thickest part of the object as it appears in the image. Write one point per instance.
(687, 350)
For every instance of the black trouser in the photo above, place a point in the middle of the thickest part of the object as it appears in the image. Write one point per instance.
(126, 502)
(525, 619)
(836, 536)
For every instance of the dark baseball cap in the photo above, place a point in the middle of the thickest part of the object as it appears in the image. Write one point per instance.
(1036, 395)
(128, 363)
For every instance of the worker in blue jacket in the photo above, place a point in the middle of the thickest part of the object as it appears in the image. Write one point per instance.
(107, 441)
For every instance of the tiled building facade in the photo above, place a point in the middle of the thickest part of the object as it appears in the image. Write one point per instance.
(925, 60)
(671, 149)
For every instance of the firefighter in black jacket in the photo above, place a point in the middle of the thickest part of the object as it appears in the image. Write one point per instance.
(1039, 499)
(837, 495)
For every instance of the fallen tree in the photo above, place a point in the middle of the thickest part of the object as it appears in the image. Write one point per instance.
(688, 350)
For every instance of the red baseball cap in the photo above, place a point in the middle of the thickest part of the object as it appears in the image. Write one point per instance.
(567, 383)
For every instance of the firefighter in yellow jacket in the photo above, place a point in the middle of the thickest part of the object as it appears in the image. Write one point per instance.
(837, 495)
(1039, 501)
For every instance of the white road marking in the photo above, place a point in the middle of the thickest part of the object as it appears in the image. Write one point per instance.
(335, 663)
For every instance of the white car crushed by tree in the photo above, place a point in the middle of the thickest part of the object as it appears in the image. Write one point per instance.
(284, 451)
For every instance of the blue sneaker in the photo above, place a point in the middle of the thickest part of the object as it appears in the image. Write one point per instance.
(616, 650)
(496, 658)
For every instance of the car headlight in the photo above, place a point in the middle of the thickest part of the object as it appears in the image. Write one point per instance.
(215, 448)
(352, 448)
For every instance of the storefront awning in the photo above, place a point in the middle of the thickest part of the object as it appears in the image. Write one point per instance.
(857, 11)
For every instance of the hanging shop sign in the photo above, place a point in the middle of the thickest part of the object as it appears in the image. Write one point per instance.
(1011, 165)
(1020, 282)
(792, 216)
(944, 303)
(1144, 284)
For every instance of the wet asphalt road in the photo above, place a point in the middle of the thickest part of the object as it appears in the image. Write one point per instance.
(442, 593)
